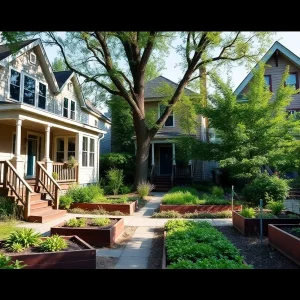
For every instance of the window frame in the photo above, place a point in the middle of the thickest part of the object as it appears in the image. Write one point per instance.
(20, 87)
(297, 79)
(35, 89)
(90, 152)
(270, 80)
(85, 151)
(30, 60)
(61, 151)
(69, 108)
(171, 115)
(38, 96)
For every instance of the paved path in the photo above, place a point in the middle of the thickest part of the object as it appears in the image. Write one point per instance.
(136, 253)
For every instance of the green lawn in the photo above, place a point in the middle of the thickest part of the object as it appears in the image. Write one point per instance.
(6, 228)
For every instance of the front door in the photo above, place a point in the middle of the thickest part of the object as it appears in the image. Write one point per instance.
(32, 151)
(165, 160)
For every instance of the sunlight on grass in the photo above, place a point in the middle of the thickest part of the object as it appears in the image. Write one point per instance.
(6, 228)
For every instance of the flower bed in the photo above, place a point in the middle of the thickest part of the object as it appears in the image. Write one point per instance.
(195, 215)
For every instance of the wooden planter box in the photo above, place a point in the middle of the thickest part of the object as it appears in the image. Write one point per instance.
(182, 209)
(77, 259)
(98, 237)
(286, 243)
(252, 226)
(126, 208)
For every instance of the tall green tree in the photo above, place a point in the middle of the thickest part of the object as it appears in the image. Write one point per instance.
(119, 59)
(59, 65)
(252, 134)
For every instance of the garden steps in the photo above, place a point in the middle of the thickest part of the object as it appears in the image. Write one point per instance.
(162, 183)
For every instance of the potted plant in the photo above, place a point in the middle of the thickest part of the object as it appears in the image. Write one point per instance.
(70, 163)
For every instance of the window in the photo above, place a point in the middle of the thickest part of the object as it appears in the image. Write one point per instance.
(32, 58)
(72, 110)
(85, 151)
(14, 144)
(60, 149)
(15, 83)
(66, 106)
(92, 152)
(29, 90)
(268, 81)
(170, 120)
(42, 96)
(291, 112)
(292, 80)
(71, 147)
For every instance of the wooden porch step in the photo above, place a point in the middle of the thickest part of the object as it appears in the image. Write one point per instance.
(37, 204)
(46, 215)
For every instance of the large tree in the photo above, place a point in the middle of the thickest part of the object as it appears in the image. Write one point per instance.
(117, 62)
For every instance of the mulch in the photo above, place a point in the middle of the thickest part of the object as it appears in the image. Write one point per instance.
(155, 257)
(259, 256)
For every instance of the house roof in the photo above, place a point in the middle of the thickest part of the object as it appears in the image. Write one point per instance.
(62, 76)
(152, 86)
(276, 46)
(96, 110)
(5, 51)
(164, 134)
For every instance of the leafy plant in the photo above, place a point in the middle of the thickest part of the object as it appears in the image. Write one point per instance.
(292, 216)
(55, 175)
(81, 222)
(7, 263)
(26, 237)
(248, 212)
(100, 222)
(71, 162)
(296, 231)
(275, 206)
(115, 179)
(15, 247)
(196, 215)
(125, 189)
(99, 211)
(53, 243)
(8, 209)
(265, 215)
(144, 188)
(217, 191)
(176, 189)
(65, 201)
(264, 185)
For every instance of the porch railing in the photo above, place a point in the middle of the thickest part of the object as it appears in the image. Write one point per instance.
(183, 171)
(48, 183)
(10, 178)
(65, 174)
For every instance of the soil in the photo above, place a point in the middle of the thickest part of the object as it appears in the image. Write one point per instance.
(290, 231)
(72, 246)
(112, 223)
(155, 258)
(255, 254)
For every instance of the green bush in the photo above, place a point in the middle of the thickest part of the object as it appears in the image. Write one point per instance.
(194, 215)
(204, 186)
(125, 189)
(8, 209)
(115, 179)
(100, 199)
(100, 222)
(7, 263)
(217, 191)
(53, 243)
(84, 194)
(275, 206)
(275, 187)
(144, 189)
(65, 201)
(26, 237)
(81, 222)
(248, 212)
(15, 247)
(214, 200)
(183, 189)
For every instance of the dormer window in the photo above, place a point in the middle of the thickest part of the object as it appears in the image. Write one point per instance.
(32, 58)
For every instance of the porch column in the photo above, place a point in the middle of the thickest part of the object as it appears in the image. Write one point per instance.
(17, 160)
(152, 157)
(173, 154)
(78, 153)
(47, 160)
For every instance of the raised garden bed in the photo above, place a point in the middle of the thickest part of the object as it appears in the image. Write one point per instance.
(248, 226)
(281, 238)
(182, 209)
(104, 236)
(126, 208)
(79, 255)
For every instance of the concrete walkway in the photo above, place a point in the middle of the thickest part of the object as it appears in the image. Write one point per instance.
(136, 253)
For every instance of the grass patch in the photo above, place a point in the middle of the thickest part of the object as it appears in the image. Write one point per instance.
(6, 228)
(194, 215)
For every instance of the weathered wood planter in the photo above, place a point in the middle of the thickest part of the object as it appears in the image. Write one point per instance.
(126, 208)
(97, 236)
(249, 226)
(285, 242)
(199, 208)
(75, 259)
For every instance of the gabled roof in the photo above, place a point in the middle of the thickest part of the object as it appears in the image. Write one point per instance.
(62, 76)
(152, 87)
(91, 107)
(276, 46)
(5, 51)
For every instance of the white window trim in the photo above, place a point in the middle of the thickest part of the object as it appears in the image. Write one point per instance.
(32, 62)
(69, 108)
(88, 152)
(65, 138)
(36, 99)
(172, 113)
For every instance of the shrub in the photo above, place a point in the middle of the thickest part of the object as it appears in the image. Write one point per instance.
(144, 188)
(15, 247)
(81, 222)
(183, 189)
(217, 191)
(26, 237)
(194, 215)
(78, 194)
(276, 188)
(125, 189)
(8, 209)
(248, 212)
(203, 186)
(179, 198)
(275, 206)
(65, 201)
(94, 190)
(53, 243)
(100, 222)
(7, 263)
(99, 199)
(167, 214)
(55, 175)
(115, 179)
(214, 200)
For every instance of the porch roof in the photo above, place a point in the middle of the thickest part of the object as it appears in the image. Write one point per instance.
(166, 135)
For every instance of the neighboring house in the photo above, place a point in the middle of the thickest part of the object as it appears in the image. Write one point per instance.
(164, 168)
(44, 119)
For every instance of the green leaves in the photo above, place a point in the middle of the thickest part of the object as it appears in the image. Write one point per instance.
(25, 237)
(7, 263)
(53, 243)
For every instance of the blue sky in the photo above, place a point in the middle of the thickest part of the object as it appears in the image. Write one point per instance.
(290, 39)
